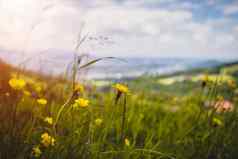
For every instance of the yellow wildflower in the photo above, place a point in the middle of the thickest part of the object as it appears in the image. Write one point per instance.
(27, 93)
(231, 83)
(17, 84)
(81, 102)
(79, 88)
(217, 122)
(122, 88)
(205, 78)
(47, 140)
(38, 88)
(220, 98)
(42, 101)
(49, 120)
(127, 142)
(98, 121)
(36, 151)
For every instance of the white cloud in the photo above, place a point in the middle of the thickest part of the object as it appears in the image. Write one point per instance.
(135, 21)
(231, 9)
(136, 30)
(235, 28)
(213, 2)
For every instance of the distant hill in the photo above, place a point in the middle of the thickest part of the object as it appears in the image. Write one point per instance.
(231, 67)
(56, 62)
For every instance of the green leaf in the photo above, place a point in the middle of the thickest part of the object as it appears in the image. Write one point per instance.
(99, 59)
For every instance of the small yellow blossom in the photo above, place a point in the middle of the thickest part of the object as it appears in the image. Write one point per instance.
(79, 88)
(127, 142)
(38, 88)
(81, 102)
(205, 78)
(98, 121)
(17, 84)
(231, 83)
(27, 93)
(47, 140)
(220, 98)
(49, 120)
(42, 101)
(36, 151)
(122, 88)
(217, 122)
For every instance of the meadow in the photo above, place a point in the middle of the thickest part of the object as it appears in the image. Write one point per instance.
(188, 115)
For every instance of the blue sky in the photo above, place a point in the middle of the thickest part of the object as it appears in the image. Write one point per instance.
(141, 28)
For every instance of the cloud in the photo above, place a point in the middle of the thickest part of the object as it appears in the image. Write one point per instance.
(231, 9)
(134, 27)
(134, 21)
(235, 29)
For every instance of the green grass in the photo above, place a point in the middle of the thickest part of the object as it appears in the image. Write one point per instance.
(160, 121)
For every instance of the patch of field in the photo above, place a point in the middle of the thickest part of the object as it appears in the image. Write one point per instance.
(177, 117)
